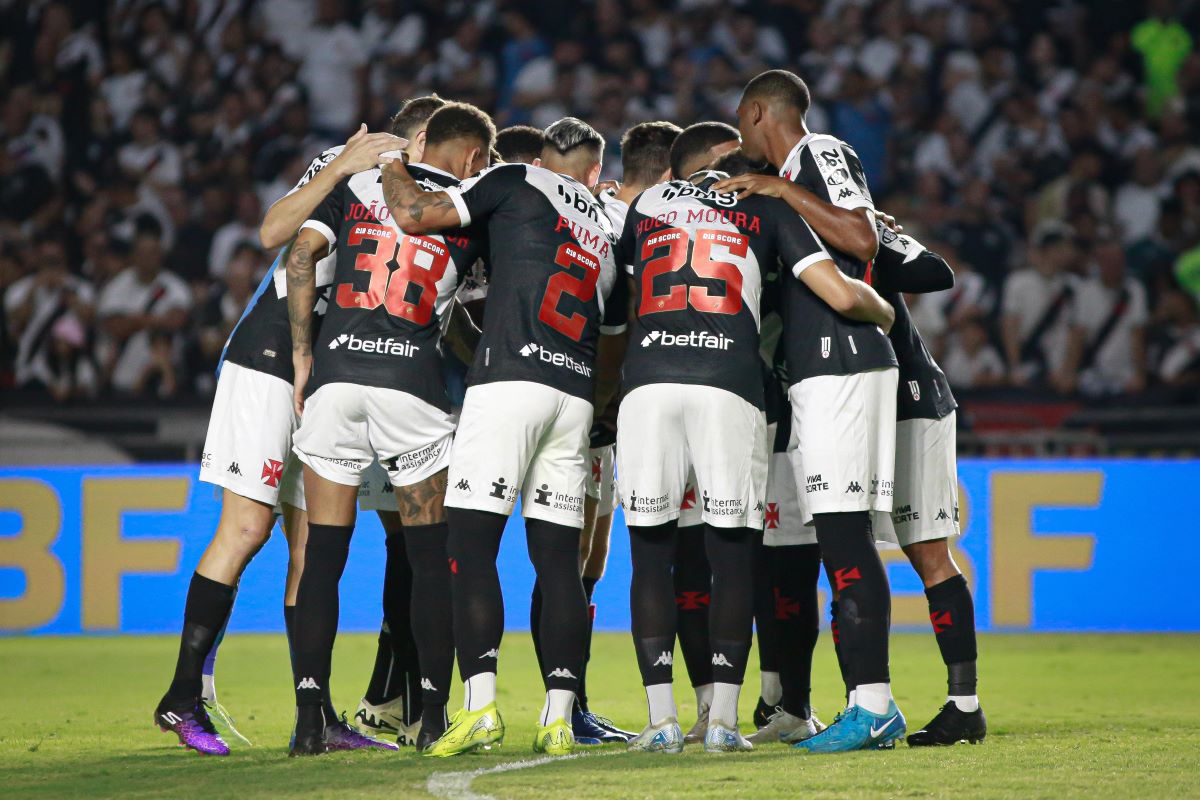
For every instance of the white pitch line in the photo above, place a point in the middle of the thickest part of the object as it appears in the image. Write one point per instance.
(457, 785)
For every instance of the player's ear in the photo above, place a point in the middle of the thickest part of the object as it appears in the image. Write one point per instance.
(666, 175)
(416, 149)
(594, 174)
(537, 162)
(472, 159)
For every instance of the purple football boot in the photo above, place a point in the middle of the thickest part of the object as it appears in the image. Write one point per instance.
(341, 735)
(193, 727)
(313, 736)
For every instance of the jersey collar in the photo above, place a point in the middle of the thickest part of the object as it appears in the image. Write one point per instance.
(799, 145)
(435, 170)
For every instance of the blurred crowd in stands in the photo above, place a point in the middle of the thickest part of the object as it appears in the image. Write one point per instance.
(1050, 149)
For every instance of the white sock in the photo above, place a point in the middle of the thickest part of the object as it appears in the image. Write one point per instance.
(772, 689)
(660, 700)
(480, 691)
(209, 688)
(874, 697)
(850, 698)
(967, 703)
(558, 705)
(724, 704)
(704, 697)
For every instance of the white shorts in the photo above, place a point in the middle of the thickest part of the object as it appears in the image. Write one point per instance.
(665, 428)
(602, 481)
(845, 430)
(520, 437)
(783, 523)
(248, 446)
(376, 492)
(926, 502)
(346, 426)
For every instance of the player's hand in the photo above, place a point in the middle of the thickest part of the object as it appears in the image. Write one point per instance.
(888, 221)
(605, 185)
(746, 185)
(365, 150)
(302, 368)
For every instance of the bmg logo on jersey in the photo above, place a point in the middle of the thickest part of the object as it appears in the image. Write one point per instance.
(701, 339)
(382, 346)
(533, 350)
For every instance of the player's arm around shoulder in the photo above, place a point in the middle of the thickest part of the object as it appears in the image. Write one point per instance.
(418, 211)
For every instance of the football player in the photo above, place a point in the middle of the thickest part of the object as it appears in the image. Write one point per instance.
(551, 347)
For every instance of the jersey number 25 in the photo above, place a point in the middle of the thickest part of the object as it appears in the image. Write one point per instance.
(680, 296)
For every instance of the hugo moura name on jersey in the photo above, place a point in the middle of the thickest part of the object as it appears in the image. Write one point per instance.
(698, 259)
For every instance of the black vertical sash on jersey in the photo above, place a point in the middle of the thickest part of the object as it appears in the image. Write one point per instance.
(1115, 315)
(382, 326)
(1032, 350)
(552, 269)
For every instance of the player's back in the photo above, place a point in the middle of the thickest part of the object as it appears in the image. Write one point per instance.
(698, 259)
(552, 268)
(390, 290)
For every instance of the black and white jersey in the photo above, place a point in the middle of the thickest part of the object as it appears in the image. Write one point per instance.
(698, 260)
(553, 287)
(817, 340)
(390, 289)
(923, 392)
(262, 338)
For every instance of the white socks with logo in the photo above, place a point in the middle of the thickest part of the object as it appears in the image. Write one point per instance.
(660, 700)
(480, 691)
(704, 697)
(558, 705)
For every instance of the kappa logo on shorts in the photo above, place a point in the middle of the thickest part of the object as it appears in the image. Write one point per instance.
(772, 516)
(272, 472)
(942, 514)
(463, 485)
(854, 488)
(234, 469)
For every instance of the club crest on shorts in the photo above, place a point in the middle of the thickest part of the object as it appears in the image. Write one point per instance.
(915, 388)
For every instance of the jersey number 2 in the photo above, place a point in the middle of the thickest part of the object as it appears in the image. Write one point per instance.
(678, 297)
(560, 283)
(418, 260)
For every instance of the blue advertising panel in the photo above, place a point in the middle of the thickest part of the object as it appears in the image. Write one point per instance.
(1047, 546)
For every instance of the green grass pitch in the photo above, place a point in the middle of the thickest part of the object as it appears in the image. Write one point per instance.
(1070, 716)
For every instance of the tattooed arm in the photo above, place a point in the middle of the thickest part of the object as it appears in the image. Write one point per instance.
(309, 248)
(415, 210)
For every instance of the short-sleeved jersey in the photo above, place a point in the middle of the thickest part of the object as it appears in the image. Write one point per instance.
(553, 287)
(262, 338)
(817, 340)
(390, 290)
(923, 391)
(698, 259)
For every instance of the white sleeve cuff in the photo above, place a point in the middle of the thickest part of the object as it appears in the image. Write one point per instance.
(629, 268)
(460, 205)
(808, 261)
(613, 330)
(323, 229)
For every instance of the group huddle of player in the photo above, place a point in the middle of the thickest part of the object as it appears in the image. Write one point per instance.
(724, 330)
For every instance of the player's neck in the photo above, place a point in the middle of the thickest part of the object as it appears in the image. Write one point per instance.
(628, 192)
(439, 159)
(780, 142)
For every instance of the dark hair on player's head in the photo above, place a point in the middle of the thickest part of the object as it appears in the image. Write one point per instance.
(690, 149)
(780, 88)
(570, 134)
(414, 114)
(735, 163)
(519, 144)
(460, 121)
(646, 151)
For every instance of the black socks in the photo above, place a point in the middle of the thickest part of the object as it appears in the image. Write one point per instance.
(432, 615)
(797, 621)
(554, 551)
(693, 594)
(652, 600)
(731, 614)
(317, 608)
(472, 545)
(952, 612)
(204, 614)
(864, 599)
